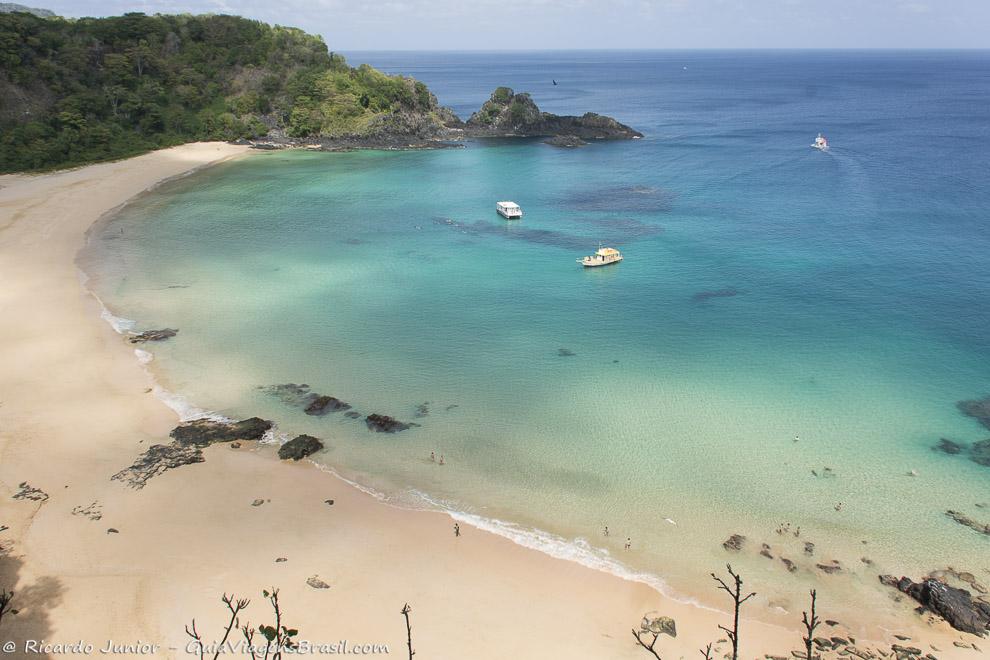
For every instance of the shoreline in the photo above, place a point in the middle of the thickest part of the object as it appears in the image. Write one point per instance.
(103, 417)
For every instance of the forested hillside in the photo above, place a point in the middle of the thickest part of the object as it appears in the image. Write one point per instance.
(77, 91)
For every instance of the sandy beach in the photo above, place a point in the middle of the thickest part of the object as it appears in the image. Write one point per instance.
(76, 407)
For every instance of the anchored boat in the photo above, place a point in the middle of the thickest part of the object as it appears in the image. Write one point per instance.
(821, 143)
(603, 257)
(508, 210)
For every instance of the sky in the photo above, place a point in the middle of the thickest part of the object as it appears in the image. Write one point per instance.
(349, 25)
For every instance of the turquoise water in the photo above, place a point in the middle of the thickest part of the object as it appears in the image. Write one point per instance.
(858, 315)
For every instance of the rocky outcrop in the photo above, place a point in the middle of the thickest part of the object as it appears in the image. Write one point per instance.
(300, 396)
(155, 461)
(507, 114)
(204, 432)
(322, 404)
(153, 335)
(566, 141)
(385, 424)
(979, 409)
(954, 605)
(299, 447)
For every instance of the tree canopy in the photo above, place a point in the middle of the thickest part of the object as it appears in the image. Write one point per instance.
(90, 89)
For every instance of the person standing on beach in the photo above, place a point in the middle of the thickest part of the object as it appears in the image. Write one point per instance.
(433, 457)
(606, 530)
(441, 460)
(628, 542)
(457, 530)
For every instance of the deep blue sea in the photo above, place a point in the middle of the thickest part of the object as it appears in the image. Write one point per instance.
(787, 337)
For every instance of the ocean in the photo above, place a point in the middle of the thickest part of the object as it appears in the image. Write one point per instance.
(787, 337)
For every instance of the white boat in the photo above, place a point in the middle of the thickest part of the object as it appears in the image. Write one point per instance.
(508, 210)
(821, 143)
(603, 257)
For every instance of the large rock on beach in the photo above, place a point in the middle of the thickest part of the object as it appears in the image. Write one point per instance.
(156, 460)
(299, 447)
(204, 432)
(955, 605)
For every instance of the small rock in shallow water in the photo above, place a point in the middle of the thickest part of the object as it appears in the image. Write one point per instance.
(765, 551)
(317, 583)
(565, 352)
(258, 502)
(734, 542)
(809, 548)
(353, 414)
(111, 530)
(153, 335)
(384, 424)
(280, 560)
(322, 404)
(330, 502)
(791, 566)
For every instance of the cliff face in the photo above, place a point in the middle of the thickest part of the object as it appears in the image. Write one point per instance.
(509, 114)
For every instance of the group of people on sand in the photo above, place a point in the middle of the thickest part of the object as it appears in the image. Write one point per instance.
(433, 458)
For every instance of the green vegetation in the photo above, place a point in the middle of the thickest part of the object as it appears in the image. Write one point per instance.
(78, 91)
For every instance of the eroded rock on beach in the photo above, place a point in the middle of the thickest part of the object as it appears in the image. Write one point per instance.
(300, 447)
(156, 460)
(978, 409)
(954, 605)
(204, 432)
(153, 335)
(189, 439)
(26, 491)
(385, 424)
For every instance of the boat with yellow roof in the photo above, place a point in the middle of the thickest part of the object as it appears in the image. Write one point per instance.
(603, 257)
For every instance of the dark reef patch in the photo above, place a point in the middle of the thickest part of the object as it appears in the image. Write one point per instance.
(978, 409)
(622, 199)
(702, 296)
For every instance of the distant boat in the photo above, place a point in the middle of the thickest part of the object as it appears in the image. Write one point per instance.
(821, 143)
(603, 257)
(555, 82)
(508, 210)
